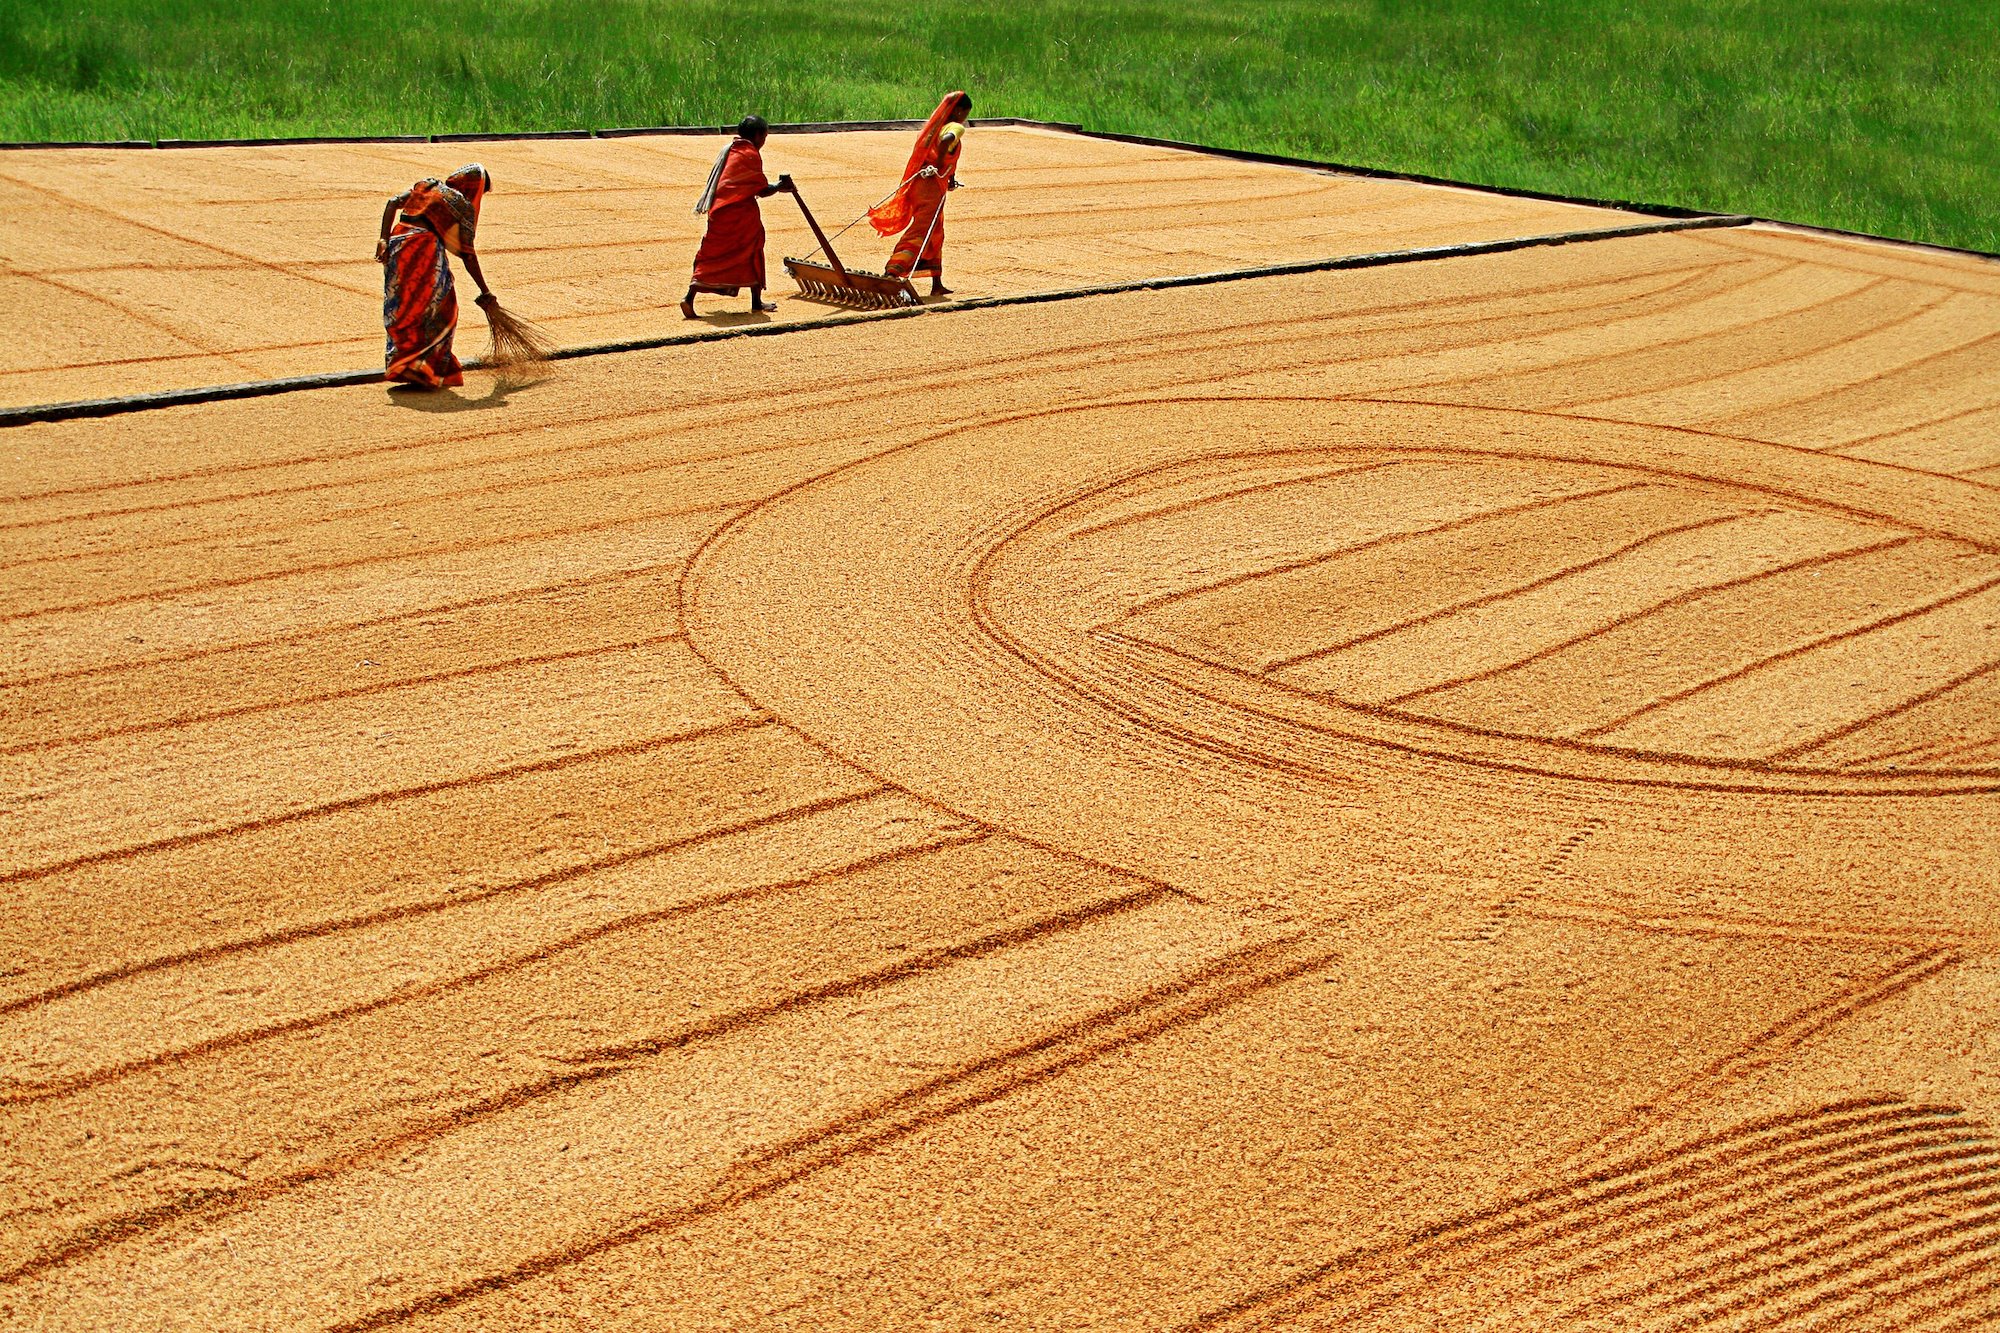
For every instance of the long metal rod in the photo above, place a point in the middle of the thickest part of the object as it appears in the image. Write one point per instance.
(872, 207)
(929, 231)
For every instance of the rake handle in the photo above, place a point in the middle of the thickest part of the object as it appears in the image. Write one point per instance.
(819, 235)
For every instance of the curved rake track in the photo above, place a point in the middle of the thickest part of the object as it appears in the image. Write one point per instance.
(1450, 790)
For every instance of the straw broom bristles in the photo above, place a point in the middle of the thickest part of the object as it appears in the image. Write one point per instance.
(516, 341)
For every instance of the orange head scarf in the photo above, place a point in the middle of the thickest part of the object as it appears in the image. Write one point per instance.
(894, 213)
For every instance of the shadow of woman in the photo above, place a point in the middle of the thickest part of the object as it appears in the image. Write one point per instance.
(505, 383)
(730, 319)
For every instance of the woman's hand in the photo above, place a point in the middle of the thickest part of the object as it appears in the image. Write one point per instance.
(382, 236)
(928, 173)
(486, 299)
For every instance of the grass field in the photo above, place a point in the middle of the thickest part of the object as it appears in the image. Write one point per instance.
(1873, 116)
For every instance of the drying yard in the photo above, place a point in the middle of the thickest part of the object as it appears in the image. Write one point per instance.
(1449, 794)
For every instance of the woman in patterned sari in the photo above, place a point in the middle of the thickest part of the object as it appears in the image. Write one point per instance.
(432, 218)
(917, 207)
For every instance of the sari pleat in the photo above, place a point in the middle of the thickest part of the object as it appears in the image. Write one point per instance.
(420, 310)
(921, 247)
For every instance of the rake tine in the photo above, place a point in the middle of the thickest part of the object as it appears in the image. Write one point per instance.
(851, 289)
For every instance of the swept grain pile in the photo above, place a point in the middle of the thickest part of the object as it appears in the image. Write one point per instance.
(1370, 800)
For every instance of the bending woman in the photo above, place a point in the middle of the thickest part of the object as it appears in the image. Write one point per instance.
(917, 208)
(432, 218)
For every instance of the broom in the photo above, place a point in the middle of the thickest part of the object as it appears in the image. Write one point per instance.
(517, 343)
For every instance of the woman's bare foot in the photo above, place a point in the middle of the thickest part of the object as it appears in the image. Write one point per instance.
(939, 289)
(687, 306)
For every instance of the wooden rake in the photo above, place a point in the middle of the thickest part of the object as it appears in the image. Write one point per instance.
(837, 284)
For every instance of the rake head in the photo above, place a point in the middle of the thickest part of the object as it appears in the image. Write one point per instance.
(856, 288)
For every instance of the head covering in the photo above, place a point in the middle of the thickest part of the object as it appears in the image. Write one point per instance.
(894, 213)
(451, 205)
(927, 137)
(471, 181)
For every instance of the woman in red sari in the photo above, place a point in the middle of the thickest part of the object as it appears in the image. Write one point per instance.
(731, 256)
(432, 219)
(916, 209)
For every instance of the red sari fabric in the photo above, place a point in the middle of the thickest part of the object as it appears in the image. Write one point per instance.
(419, 298)
(732, 250)
(896, 213)
(420, 310)
(921, 249)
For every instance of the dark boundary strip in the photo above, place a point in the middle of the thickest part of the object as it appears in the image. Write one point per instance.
(1380, 173)
(286, 143)
(212, 393)
(834, 127)
(83, 143)
(495, 138)
(1063, 127)
(787, 127)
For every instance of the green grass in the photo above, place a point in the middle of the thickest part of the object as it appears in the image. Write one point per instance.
(1879, 117)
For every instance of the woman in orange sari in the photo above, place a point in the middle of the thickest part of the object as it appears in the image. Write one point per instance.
(916, 209)
(432, 219)
(731, 256)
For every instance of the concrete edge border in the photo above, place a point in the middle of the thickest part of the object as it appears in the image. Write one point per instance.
(831, 127)
(79, 143)
(618, 132)
(496, 138)
(1622, 205)
(212, 393)
(283, 143)
(1382, 173)
(1064, 127)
